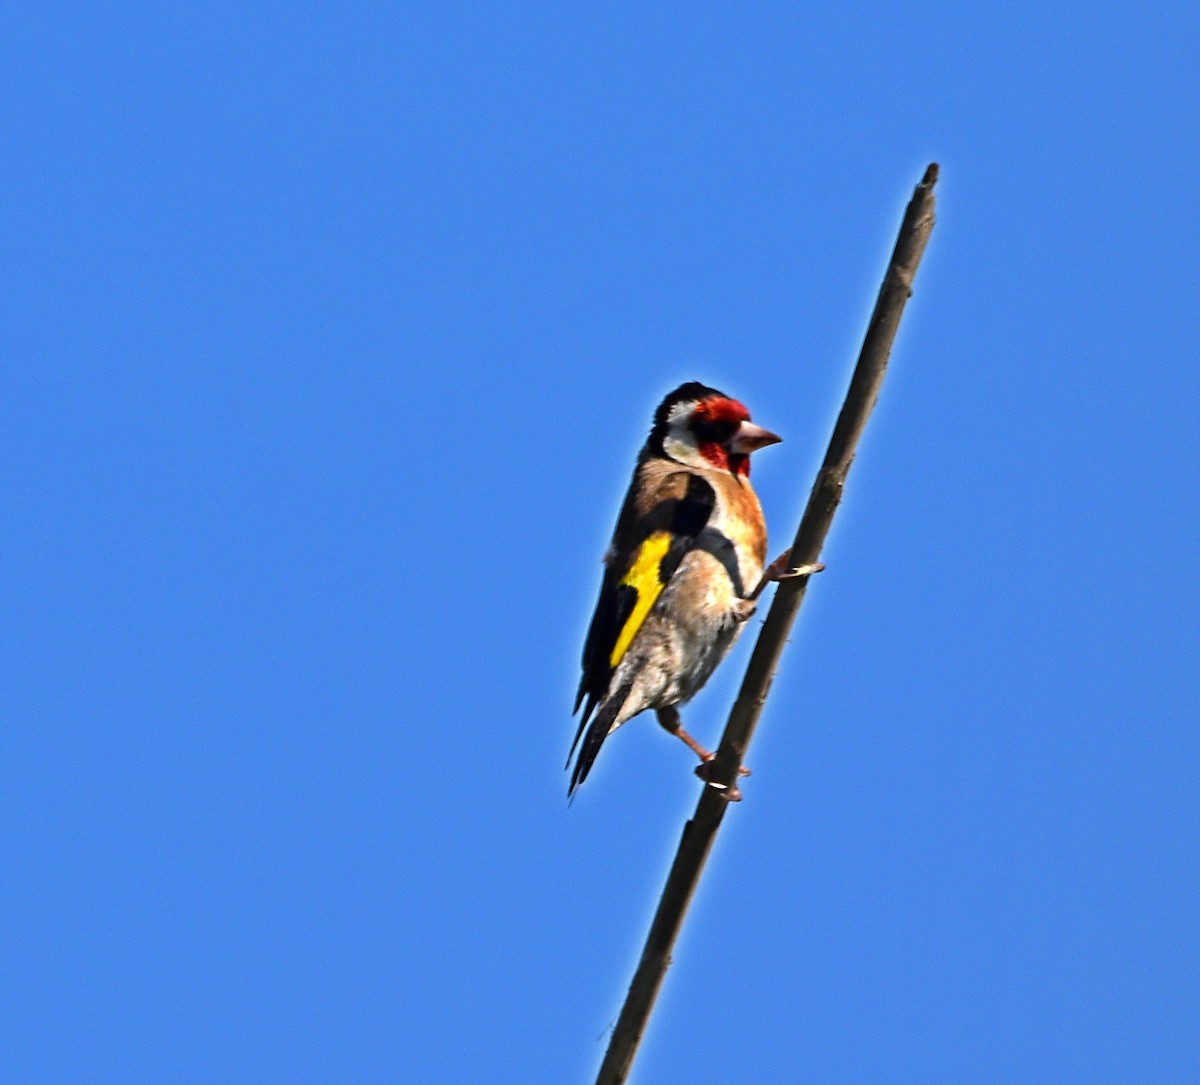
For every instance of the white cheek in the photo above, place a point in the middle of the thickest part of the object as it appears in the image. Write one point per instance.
(680, 413)
(683, 451)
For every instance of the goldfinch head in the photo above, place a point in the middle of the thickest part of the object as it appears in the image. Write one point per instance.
(701, 427)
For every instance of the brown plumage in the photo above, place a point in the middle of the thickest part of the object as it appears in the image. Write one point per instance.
(688, 549)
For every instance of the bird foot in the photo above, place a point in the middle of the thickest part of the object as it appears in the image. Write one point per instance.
(782, 569)
(801, 570)
(729, 794)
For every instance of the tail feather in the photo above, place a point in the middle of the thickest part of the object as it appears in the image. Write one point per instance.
(597, 732)
(593, 700)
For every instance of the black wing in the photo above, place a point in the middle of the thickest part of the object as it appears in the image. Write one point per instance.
(685, 522)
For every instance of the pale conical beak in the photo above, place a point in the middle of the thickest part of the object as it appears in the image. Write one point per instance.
(749, 438)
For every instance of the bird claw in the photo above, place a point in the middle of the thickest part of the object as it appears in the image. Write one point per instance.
(728, 793)
(801, 570)
(780, 570)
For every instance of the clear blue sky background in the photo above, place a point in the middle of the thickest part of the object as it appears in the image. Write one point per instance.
(330, 333)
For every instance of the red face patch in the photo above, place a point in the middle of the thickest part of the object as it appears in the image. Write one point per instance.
(719, 409)
(724, 460)
(714, 421)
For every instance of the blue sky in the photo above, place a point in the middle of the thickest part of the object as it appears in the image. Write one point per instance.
(332, 333)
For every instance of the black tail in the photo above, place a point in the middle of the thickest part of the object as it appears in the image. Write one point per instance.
(597, 732)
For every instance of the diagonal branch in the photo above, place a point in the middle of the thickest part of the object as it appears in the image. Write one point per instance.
(698, 834)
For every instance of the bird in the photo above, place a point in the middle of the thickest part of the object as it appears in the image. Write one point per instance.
(682, 574)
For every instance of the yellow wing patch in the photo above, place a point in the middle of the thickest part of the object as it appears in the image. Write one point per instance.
(644, 579)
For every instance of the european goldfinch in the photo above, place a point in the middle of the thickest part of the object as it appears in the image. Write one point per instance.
(682, 574)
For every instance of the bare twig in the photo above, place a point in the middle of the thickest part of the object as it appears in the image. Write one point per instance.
(698, 834)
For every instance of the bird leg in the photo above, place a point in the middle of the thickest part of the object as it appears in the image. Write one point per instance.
(669, 719)
(779, 570)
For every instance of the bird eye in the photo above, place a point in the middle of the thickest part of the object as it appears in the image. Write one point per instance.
(713, 430)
